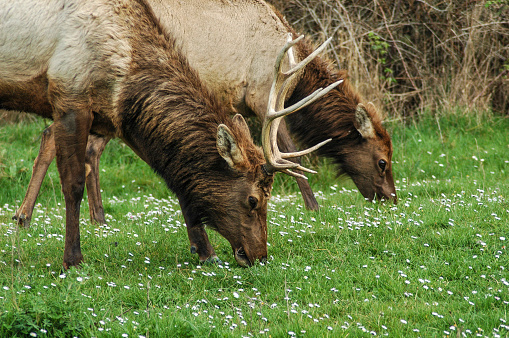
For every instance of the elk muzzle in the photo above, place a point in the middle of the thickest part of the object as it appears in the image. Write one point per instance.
(246, 258)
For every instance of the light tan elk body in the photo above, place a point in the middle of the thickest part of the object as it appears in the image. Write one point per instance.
(232, 45)
(107, 67)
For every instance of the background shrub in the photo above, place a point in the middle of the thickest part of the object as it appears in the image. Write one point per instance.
(409, 56)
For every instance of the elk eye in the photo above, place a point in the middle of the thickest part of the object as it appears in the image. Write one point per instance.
(253, 202)
(382, 164)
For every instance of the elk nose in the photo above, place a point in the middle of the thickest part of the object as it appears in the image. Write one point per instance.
(384, 197)
(394, 198)
(263, 260)
(241, 258)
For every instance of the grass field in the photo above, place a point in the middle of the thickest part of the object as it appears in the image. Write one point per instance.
(434, 265)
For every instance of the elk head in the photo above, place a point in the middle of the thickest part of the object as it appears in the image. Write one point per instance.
(371, 165)
(246, 193)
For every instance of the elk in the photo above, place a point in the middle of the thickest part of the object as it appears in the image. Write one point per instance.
(242, 39)
(360, 146)
(109, 69)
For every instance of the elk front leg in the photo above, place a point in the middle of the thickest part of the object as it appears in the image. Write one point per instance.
(46, 155)
(95, 147)
(198, 238)
(286, 144)
(200, 244)
(71, 134)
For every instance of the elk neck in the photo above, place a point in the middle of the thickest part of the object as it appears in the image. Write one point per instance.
(172, 125)
(170, 120)
(332, 116)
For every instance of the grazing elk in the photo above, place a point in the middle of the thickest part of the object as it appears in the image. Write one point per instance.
(242, 38)
(108, 68)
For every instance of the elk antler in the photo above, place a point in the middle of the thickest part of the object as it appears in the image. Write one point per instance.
(276, 161)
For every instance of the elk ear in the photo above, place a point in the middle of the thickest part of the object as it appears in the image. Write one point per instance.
(239, 121)
(363, 122)
(378, 114)
(228, 148)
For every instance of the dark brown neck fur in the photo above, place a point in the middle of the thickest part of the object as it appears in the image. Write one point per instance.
(331, 116)
(170, 119)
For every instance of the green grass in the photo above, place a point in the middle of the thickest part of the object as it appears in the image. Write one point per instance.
(434, 265)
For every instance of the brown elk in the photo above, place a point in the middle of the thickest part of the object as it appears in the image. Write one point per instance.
(231, 58)
(107, 67)
(242, 36)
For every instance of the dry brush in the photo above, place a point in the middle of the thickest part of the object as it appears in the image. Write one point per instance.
(410, 56)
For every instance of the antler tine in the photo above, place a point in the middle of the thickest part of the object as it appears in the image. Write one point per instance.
(306, 151)
(308, 59)
(305, 101)
(276, 161)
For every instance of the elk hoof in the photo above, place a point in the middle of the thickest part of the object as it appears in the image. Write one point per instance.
(73, 261)
(212, 260)
(22, 220)
(101, 220)
(312, 204)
